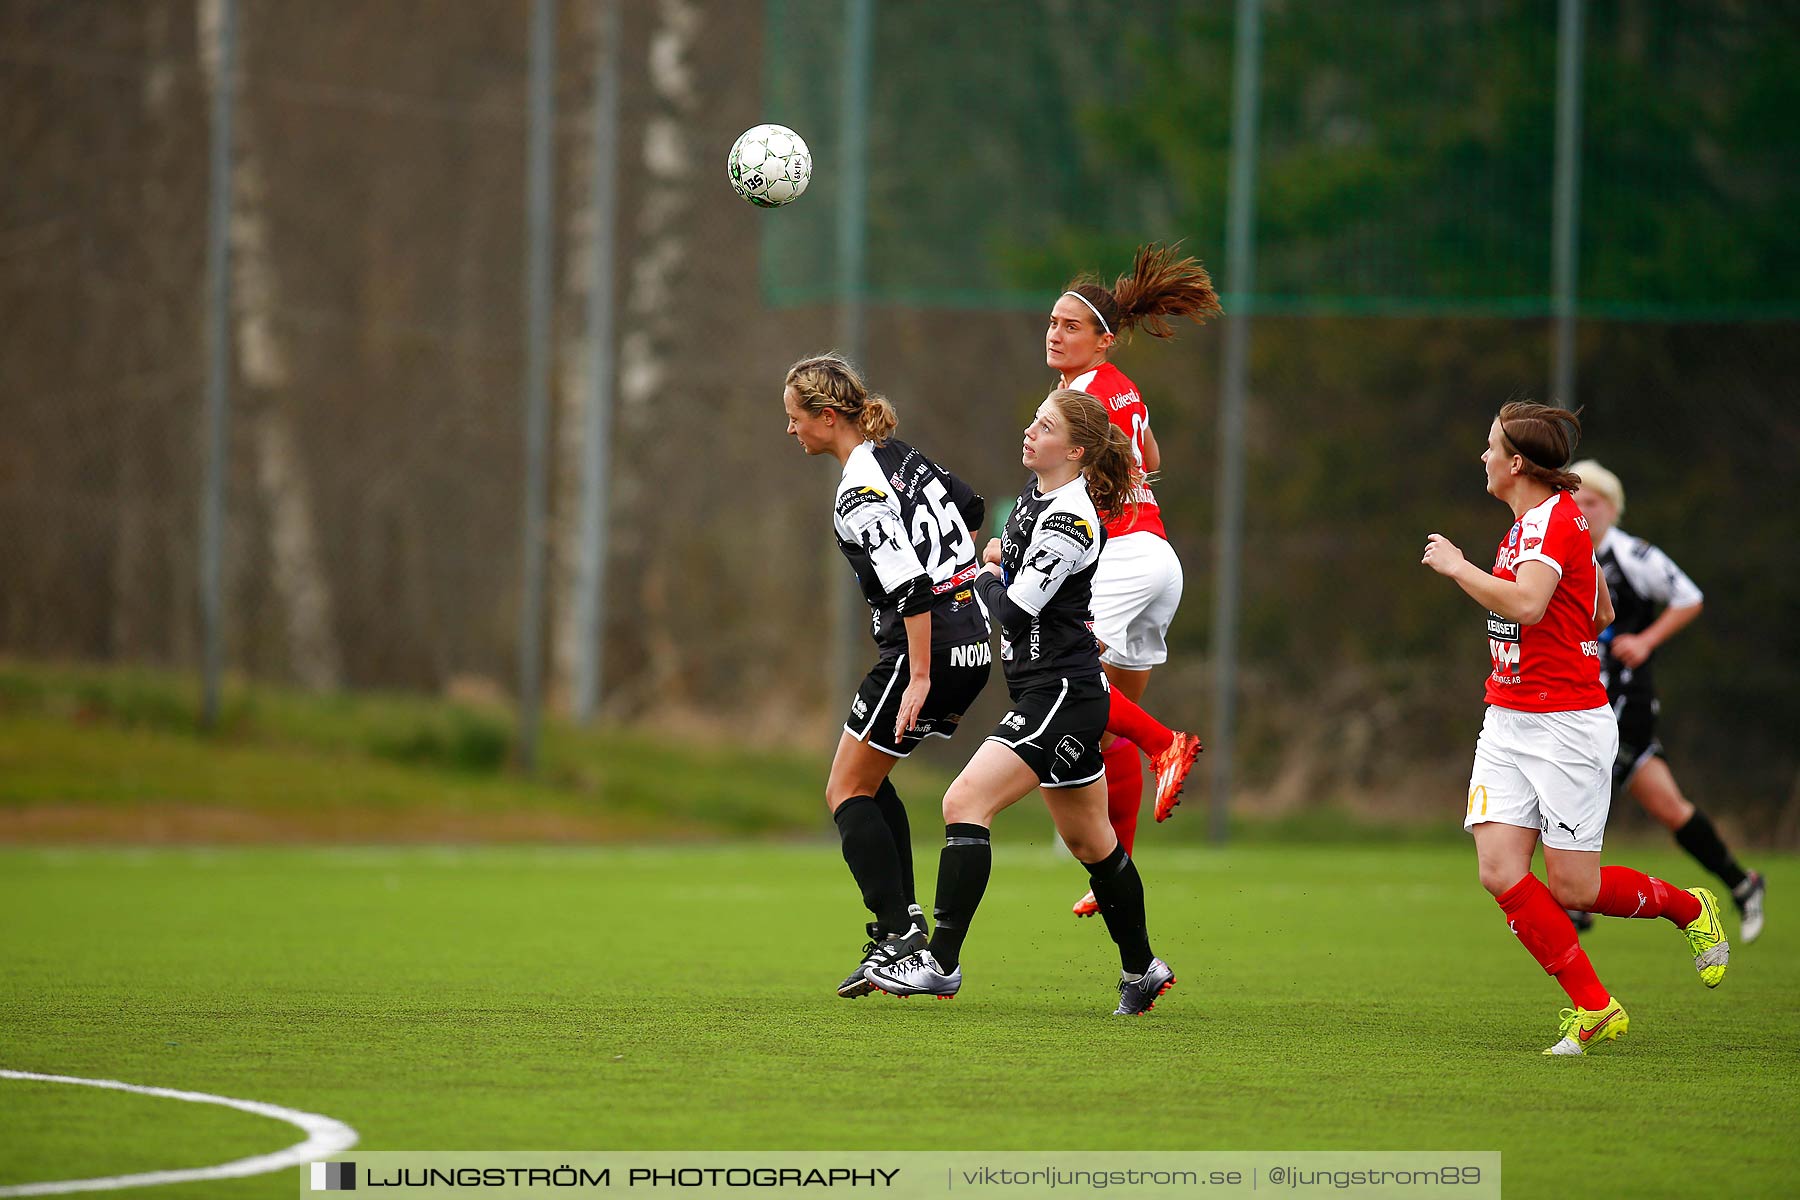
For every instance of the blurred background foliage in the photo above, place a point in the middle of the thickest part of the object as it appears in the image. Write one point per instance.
(1402, 294)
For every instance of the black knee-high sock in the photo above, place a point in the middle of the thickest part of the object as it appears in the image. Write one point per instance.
(1121, 895)
(869, 851)
(963, 870)
(1700, 839)
(894, 813)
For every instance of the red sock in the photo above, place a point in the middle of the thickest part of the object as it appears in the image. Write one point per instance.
(1538, 921)
(1124, 789)
(1133, 724)
(1628, 893)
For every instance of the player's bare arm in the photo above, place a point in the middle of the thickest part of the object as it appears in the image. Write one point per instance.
(1152, 452)
(918, 684)
(1632, 649)
(1523, 601)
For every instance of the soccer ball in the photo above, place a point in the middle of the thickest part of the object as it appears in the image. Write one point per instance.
(769, 165)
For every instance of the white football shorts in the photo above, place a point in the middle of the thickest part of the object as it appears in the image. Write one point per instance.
(1546, 771)
(1137, 588)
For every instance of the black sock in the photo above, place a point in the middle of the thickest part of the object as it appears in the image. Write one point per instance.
(869, 850)
(894, 813)
(963, 870)
(1121, 895)
(1700, 839)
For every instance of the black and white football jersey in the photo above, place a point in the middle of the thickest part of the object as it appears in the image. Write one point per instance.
(1048, 555)
(1643, 582)
(903, 522)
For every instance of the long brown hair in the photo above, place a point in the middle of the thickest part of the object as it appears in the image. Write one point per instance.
(1107, 463)
(1159, 286)
(1545, 437)
(828, 380)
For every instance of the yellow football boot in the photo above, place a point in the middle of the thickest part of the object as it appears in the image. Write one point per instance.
(1584, 1028)
(1706, 934)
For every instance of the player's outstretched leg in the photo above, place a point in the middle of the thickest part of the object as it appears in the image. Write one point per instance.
(1172, 752)
(1544, 929)
(1628, 893)
(1124, 797)
(1748, 896)
(1653, 785)
(894, 813)
(1124, 789)
(963, 869)
(1142, 976)
(874, 862)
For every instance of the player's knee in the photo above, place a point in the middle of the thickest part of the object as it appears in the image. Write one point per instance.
(963, 803)
(1090, 847)
(1576, 893)
(1498, 880)
(840, 788)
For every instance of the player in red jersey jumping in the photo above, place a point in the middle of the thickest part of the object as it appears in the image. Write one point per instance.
(1543, 763)
(1138, 586)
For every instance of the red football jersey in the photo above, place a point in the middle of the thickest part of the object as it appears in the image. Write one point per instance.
(1107, 384)
(1553, 666)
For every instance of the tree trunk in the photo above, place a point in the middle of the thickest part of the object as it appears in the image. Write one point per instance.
(652, 337)
(575, 363)
(299, 579)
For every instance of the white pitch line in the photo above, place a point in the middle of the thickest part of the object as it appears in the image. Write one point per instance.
(324, 1136)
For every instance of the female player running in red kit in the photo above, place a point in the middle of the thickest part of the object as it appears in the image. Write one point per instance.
(1138, 585)
(1543, 763)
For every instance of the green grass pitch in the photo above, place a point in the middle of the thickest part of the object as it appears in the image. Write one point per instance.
(1343, 997)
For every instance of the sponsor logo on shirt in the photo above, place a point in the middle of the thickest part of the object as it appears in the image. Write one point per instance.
(855, 498)
(978, 654)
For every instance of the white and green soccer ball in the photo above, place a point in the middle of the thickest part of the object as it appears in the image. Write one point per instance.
(769, 165)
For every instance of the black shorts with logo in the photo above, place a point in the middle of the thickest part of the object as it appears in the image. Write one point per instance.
(1055, 725)
(958, 673)
(1638, 743)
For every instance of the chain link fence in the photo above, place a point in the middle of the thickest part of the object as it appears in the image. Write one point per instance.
(378, 237)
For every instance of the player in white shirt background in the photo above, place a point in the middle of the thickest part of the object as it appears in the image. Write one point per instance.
(1654, 600)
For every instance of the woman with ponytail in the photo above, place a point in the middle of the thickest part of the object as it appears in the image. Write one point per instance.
(1543, 762)
(903, 522)
(1139, 583)
(1037, 583)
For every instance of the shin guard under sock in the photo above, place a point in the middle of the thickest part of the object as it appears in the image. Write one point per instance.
(963, 869)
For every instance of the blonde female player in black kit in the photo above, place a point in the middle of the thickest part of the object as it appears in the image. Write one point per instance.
(903, 522)
(1038, 583)
(1653, 599)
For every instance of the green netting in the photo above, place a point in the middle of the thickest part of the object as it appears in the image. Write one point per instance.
(1405, 154)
